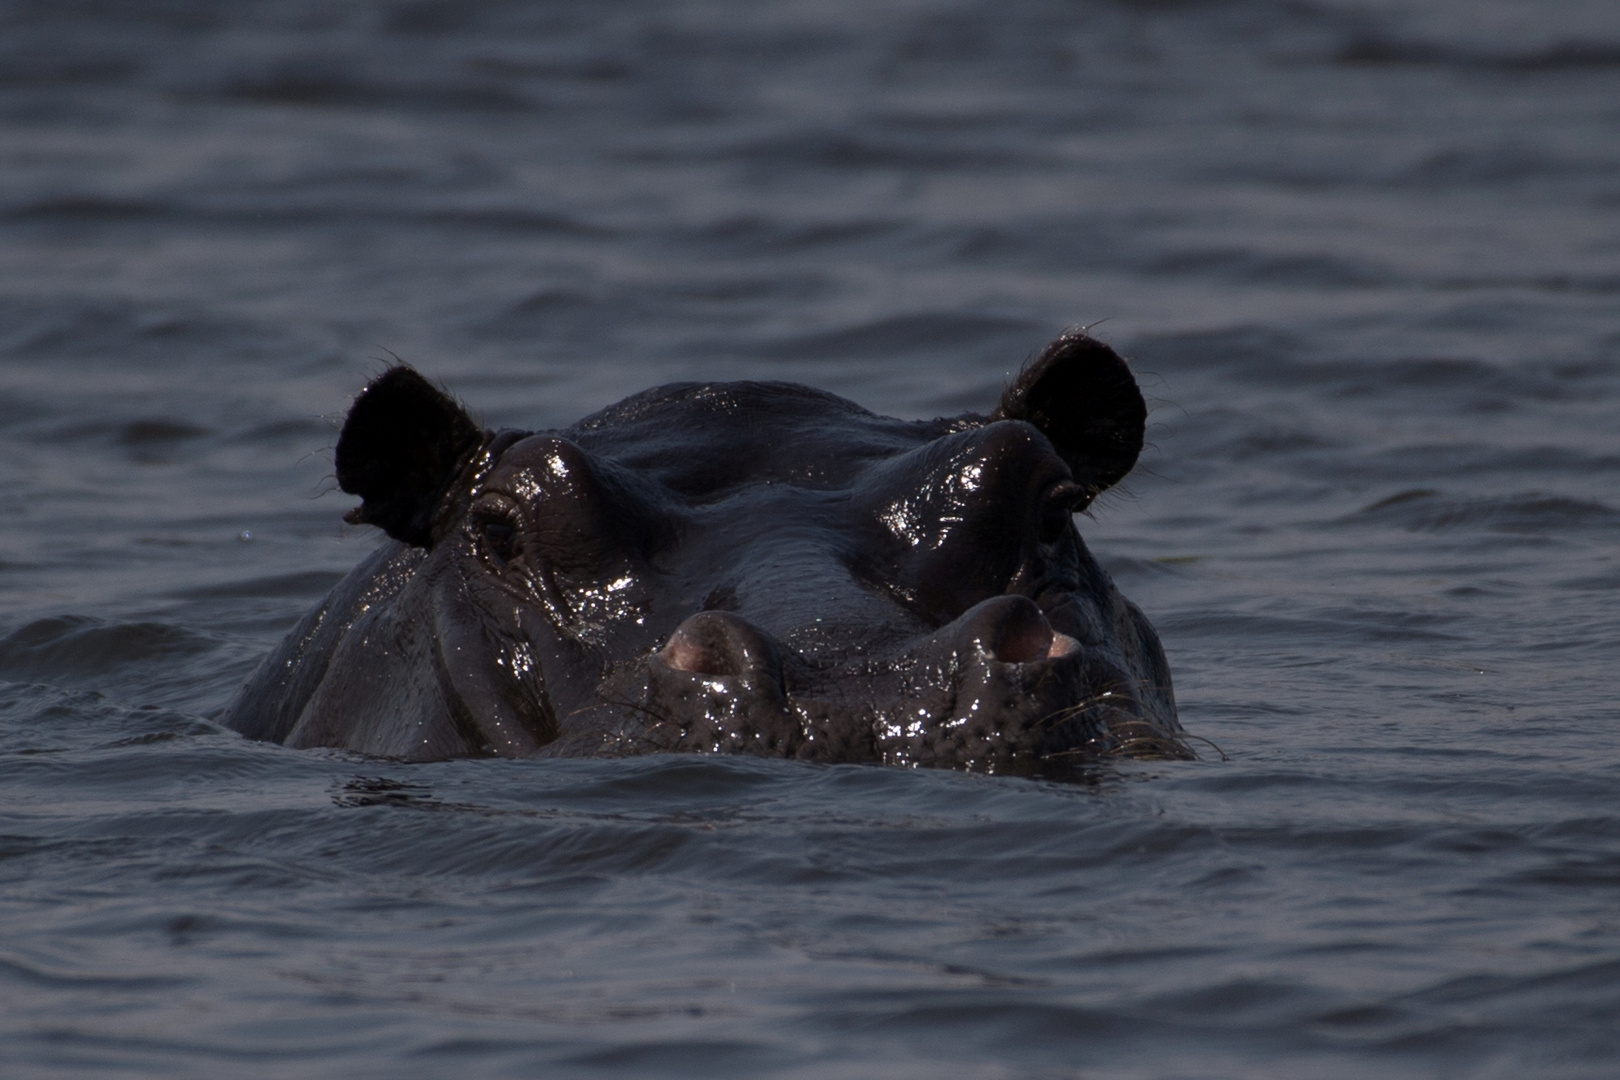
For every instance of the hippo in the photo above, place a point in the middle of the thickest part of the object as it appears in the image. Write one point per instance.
(735, 568)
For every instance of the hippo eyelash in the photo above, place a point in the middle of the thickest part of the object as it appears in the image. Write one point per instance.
(1057, 511)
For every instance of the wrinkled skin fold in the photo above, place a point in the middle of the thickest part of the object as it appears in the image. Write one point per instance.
(749, 568)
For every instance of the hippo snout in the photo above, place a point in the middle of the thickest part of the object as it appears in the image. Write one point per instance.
(998, 689)
(1009, 629)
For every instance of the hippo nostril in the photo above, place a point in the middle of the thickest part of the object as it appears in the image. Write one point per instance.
(1062, 645)
(1024, 640)
(684, 654)
(1013, 630)
(718, 643)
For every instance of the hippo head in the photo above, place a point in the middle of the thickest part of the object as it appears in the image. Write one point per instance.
(751, 567)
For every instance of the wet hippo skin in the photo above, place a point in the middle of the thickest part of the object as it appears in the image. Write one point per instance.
(748, 568)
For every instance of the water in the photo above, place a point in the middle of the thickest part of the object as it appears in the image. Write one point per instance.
(1365, 256)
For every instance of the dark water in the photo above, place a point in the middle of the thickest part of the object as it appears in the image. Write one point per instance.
(1366, 256)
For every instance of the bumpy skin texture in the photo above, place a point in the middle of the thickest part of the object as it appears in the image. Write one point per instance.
(755, 568)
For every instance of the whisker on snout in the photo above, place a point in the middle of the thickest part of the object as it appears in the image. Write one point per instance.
(1130, 738)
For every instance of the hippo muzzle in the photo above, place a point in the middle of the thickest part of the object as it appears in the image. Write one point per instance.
(998, 690)
(753, 568)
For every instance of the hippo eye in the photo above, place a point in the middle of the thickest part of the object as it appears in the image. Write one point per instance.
(1057, 511)
(499, 537)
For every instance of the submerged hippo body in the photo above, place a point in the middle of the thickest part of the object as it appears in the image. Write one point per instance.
(749, 567)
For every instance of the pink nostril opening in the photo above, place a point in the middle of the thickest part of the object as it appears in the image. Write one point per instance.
(1023, 641)
(1062, 645)
(684, 654)
(719, 643)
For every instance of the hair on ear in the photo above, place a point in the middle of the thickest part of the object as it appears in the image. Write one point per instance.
(1082, 396)
(402, 446)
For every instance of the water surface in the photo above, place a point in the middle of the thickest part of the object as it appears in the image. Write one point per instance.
(1365, 257)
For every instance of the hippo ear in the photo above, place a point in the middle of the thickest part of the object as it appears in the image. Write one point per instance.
(402, 447)
(1082, 397)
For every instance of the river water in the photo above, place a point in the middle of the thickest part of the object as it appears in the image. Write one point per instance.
(1365, 255)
